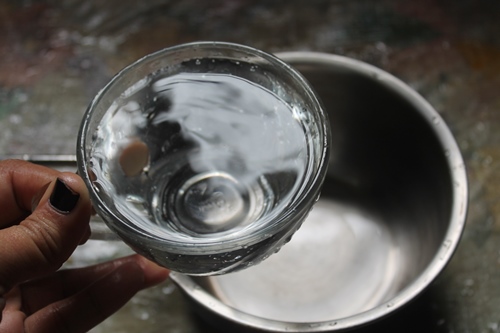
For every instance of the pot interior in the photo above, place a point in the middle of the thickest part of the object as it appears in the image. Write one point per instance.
(382, 216)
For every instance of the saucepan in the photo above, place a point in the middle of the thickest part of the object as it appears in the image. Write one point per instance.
(389, 218)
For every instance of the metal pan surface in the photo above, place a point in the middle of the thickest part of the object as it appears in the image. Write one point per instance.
(390, 216)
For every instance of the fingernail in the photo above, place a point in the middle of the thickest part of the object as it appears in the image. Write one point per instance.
(63, 198)
(154, 274)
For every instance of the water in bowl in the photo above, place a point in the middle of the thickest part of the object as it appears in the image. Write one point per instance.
(197, 156)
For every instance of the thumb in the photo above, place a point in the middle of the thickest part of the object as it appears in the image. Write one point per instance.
(45, 239)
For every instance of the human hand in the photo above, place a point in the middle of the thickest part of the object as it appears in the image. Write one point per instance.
(44, 216)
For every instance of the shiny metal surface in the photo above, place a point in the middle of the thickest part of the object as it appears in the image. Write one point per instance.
(390, 216)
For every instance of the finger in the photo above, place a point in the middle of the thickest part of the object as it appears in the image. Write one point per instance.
(86, 236)
(65, 283)
(12, 318)
(20, 182)
(45, 239)
(81, 312)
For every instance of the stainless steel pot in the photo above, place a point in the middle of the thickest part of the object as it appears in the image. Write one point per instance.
(390, 216)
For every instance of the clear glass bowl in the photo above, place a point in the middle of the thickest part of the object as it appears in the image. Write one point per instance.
(205, 157)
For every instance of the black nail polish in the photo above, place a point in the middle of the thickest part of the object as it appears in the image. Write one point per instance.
(63, 198)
